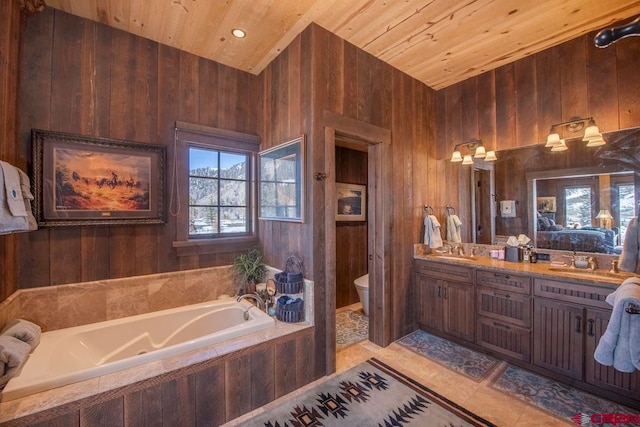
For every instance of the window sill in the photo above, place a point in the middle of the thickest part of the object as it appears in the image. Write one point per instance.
(214, 246)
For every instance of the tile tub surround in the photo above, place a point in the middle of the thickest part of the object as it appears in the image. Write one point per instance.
(63, 306)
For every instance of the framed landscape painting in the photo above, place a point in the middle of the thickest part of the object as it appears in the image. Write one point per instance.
(83, 180)
(351, 202)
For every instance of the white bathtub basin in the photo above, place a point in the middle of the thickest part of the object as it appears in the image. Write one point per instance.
(82, 352)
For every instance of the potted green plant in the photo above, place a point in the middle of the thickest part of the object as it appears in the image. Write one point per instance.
(249, 268)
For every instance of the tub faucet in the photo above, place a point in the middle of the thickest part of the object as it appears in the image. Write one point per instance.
(259, 303)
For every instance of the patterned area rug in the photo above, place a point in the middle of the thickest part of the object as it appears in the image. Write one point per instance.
(370, 394)
(561, 400)
(351, 327)
(456, 357)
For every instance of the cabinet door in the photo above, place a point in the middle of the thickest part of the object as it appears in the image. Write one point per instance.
(459, 310)
(627, 384)
(429, 293)
(558, 337)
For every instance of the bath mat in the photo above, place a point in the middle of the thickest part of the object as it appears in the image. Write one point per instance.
(370, 394)
(561, 400)
(352, 326)
(456, 357)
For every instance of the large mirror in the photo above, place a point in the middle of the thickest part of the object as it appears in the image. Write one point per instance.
(580, 199)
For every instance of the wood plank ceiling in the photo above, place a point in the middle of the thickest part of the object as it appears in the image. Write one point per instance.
(439, 42)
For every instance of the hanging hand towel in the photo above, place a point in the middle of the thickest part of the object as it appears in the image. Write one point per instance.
(13, 190)
(436, 236)
(619, 346)
(428, 231)
(453, 229)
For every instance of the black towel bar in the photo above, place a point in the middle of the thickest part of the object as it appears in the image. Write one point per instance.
(632, 309)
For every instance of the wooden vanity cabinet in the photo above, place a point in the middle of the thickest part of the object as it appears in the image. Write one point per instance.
(569, 320)
(445, 299)
(503, 306)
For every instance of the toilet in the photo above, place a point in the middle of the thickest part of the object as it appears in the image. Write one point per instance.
(362, 286)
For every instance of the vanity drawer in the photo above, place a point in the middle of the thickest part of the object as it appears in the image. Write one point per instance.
(590, 295)
(501, 337)
(444, 271)
(504, 306)
(505, 281)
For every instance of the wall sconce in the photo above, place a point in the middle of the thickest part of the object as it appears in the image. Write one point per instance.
(480, 153)
(592, 135)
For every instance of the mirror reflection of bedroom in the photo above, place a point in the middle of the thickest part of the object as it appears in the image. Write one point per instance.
(587, 213)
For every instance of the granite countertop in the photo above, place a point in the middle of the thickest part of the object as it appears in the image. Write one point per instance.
(540, 269)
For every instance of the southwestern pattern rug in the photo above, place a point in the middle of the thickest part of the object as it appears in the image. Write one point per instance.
(352, 326)
(370, 394)
(453, 356)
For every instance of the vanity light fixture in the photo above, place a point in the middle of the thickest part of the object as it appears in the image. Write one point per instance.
(480, 153)
(592, 135)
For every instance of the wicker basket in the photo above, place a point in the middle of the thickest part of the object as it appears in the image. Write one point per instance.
(291, 280)
(289, 316)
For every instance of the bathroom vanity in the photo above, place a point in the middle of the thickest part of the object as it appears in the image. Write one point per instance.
(545, 319)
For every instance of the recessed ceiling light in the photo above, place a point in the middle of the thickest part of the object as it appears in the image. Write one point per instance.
(238, 33)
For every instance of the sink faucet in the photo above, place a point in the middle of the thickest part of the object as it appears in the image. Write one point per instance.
(459, 249)
(259, 303)
(614, 267)
(592, 263)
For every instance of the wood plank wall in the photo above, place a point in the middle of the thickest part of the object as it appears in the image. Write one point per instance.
(319, 71)
(351, 237)
(82, 77)
(11, 23)
(516, 104)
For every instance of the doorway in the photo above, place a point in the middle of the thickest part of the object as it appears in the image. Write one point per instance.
(376, 140)
(352, 322)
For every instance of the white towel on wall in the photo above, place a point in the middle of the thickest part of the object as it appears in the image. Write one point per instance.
(619, 346)
(13, 191)
(428, 231)
(631, 247)
(436, 236)
(453, 229)
(10, 222)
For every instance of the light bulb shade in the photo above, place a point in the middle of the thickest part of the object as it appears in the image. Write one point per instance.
(596, 142)
(468, 160)
(604, 214)
(456, 156)
(560, 147)
(553, 140)
(592, 132)
(480, 152)
(491, 156)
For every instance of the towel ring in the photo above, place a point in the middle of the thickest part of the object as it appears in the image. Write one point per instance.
(426, 209)
(450, 209)
(632, 309)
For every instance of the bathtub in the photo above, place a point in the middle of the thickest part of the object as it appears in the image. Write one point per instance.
(75, 354)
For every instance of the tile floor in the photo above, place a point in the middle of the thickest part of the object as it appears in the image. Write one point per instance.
(479, 397)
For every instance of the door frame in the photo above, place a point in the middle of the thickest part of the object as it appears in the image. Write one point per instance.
(377, 140)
